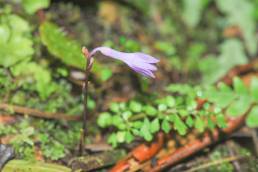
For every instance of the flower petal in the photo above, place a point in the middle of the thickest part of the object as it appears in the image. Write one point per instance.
(143, 72)
(107, 52)
(147, 58)
(124, 56)
(139, 62)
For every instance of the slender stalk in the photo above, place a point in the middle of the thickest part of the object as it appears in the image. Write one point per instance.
(37, 113)
(85, 99)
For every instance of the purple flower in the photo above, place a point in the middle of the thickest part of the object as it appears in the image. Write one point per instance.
(139, 62)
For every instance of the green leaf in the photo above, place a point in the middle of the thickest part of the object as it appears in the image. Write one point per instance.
(254, 88)
(122, 106)
(243, 18)
(191, 105)
(162, 107)
(112, 139)
(68, 50)
(135, 106)
(42, 77)
(142, 5)
(199, 124)
(211, 124)
(102, 72)
(179, 125)
(221, 98)
(150, 110)
(224, 87)
(239, 86)
(129, 137)
(239, 107)
(232, 49)
(126, 115)
(211, 70)
(120, 136)
(189, 121)
(16, 44)
(145, 130)
(136, 132)
(194, 53)
(32, 6)
(192, 11)
(55, 151)
(137, 124)
(221, 122)
(252, 118)
(4, 32)
(165, 126)
(154, 126)
(146, 122)
(105, 74)
(165, 47)
(104, 120)
(114, 107)
(232, 54)
(183, 112)
(25, 166)
(91, 103)
(118, 122)
(179, 88)
(170, 101)
(171, 117)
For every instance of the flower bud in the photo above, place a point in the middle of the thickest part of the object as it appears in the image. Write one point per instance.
(85, 52)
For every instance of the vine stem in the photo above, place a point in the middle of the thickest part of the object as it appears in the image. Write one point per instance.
(85, 99)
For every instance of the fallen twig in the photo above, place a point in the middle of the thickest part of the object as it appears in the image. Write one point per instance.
(216, 162)
(141, 153)
(239, 70)
(235, 163)
(6, 119)
(197, 145)
(38, 113)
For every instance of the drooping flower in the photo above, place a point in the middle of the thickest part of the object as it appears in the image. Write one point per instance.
(139, 62)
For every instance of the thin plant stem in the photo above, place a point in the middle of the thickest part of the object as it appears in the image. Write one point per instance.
(85, 100)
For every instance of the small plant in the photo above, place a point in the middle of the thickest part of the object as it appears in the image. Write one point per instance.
(179, 111)
(139, 62)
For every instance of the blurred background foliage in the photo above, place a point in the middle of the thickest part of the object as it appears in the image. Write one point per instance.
(41, 65)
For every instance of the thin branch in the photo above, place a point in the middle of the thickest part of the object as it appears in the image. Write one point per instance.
(216, 162)
(37, 113)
